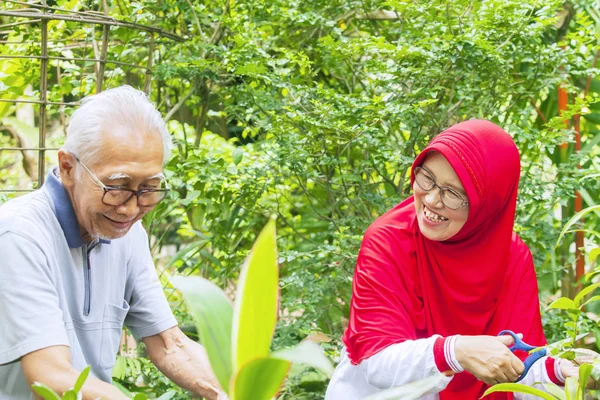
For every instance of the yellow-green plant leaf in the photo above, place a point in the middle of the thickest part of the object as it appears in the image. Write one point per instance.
(591, 300)
(585, 370)
(120, 368)
(259, 379)
(45, 392)
(571, 388)
(584, 292)
(594, 254)
(556, 391)
(307, 353)
(122, 388)
(82, 378)
(574, 219)
(213, 315)
(69, 395)
(563, 303)
(167, 396)
(518, 388)
(255, 308)
(410, 391)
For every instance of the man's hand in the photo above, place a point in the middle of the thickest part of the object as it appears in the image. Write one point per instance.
(184, 361)
(52, 367)
(488, 358)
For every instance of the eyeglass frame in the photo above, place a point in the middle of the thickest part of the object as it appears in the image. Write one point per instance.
(135, 193)
(442, 189)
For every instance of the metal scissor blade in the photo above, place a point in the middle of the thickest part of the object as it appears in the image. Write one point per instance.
(559, 346)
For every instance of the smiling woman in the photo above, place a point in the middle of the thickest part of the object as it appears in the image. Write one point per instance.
(440, 213)
(439, 276)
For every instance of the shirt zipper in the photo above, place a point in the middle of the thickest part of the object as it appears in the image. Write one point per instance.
(87, 281)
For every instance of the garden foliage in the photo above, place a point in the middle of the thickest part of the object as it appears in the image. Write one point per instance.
(313, 111)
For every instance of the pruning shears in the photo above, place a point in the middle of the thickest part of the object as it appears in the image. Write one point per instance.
(535, 352)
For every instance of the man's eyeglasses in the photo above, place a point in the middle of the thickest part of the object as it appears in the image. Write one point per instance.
(450, 197)
(116, 196)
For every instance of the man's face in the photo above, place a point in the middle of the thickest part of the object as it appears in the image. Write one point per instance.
(126, 160)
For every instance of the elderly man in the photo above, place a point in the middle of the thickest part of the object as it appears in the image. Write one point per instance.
(75, 262)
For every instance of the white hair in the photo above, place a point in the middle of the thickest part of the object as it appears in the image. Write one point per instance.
(123, 107)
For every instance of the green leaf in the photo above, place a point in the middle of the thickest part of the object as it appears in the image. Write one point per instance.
(563, 303)
(574, 219)
(213, 315)
(120, 368)
(193, 247)
(518, 388)
(69, 395)
(238, 154)
(594, 254)
(571, 388)
(259, 379)
(591, 300)
(556, 391)
(584, 292)
(307, 353)
(82, 378)
(255, 309)
(410, 391)
(585, 371)
(167, 396)
(140, 396)
(122, 388)
(45, 392)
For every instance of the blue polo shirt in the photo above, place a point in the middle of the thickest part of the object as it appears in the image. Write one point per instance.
(56, 289)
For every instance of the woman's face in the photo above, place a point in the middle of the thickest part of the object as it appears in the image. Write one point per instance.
(437, 221)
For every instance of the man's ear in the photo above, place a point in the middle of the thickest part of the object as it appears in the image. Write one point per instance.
(66, 165)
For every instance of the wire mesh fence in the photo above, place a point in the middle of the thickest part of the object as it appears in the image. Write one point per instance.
(58, 54)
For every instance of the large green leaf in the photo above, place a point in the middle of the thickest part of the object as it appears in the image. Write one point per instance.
(584, 292)
(572, 388)
(594, 253)
(585, 371)
(307, 353)
(213, 316)
(555, 391)
(518, 388)
(563, 303)
(410, 391)
(255, 309)
(45, 392)
(259, 379)
(82, 378)
(574, 219)
(122, 388)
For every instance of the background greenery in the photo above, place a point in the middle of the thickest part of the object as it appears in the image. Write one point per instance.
(313, 111)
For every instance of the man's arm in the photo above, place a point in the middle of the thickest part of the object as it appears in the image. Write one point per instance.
(183, 361)
(52, 367)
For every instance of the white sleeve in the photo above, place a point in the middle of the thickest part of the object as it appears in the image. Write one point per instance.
(402, 363)
(538, 378)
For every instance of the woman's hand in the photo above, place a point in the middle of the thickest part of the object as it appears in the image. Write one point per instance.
(571, 368)
(488, 358)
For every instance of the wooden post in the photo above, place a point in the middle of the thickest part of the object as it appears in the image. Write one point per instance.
(43, 99)
(103, 51)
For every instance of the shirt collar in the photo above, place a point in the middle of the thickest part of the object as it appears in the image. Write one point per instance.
(63, 208)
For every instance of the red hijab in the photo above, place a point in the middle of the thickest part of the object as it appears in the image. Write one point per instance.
(478, 282)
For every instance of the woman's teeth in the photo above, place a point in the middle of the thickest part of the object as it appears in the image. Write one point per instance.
(433, 217)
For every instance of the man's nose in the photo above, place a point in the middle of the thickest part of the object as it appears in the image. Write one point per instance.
(130, 207)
